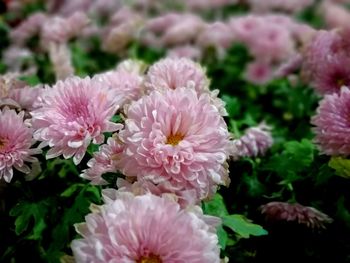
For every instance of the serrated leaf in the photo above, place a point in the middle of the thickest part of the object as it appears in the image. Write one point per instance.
(341, 166)
(215, 206)
(242, 226)
(30, 213)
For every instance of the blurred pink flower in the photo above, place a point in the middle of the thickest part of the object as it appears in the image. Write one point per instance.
(105, 160)
(335, 15)
(74, 112)
(15, 144)
(126, 84)
(27, 96)
(332, 123)
(258, 72)
(172, 73)
(255, 141)
(60, 56)
(177, 136)
(187, 51)
(61, 29)
(136, 229)
(218, 35)
(28, 28)
(324, 62)
(306, 215)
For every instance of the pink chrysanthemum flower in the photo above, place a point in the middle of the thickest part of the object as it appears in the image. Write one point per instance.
(15, 144)
(136, 229)
(258, 72)
(126, 84)
(177, 136)
(306, 215)
(172, 73)
(332, 123)
(183, 197)
(105, 160)
(256, 141)
(74, 112)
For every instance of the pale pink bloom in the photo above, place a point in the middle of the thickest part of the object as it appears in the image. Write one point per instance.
(68, 7)
(218, 35)
(335, 15)
(60, 56)
(27, 96)
(255, 141)
(61, 29)
(172, 73)
(332, 123)
(183, 197)
(15, 144)
(202, 5)
(122, 29)
(146, 228)
(268, 38)
(287, 68)
(104, 161)
(183, 31)
(161, 23)
(74, 112)
(258, 72)
(306, 215)
(127, 85)
(16, 58)
(176, 136)
(28, 28)
(186, 51)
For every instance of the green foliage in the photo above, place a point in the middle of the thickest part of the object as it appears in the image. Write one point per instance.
(242, 226)
(33, 214)
(296, 157)
(341, 166)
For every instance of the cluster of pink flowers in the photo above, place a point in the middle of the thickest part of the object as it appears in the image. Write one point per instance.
(166, 140)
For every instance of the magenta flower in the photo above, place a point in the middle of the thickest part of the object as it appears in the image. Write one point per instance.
(172, 73)
(332, 123)
(137, 229)
(176, 136)
(306, 215)
(74, 112)
(105, 160)
(15, 144)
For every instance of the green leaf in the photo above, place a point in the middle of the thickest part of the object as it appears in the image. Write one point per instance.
(27, 213)
(215, 206)
(341, 166)
(232, 105)
(71, 190)
(222, 236)
(242, 226)
(31, 80)
(294, 159)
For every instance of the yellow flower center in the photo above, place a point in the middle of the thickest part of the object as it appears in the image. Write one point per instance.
(150, 259)
(3, 142)
(340, 82)
(174, 139)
